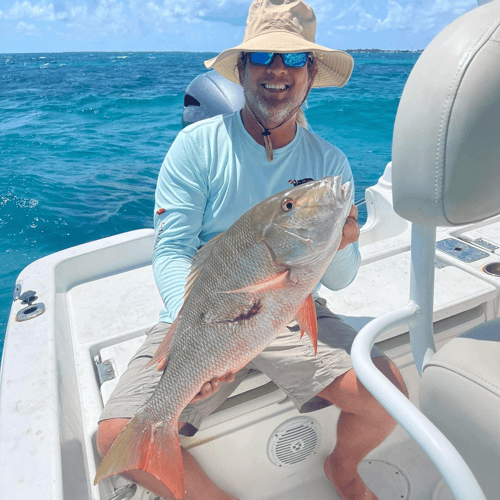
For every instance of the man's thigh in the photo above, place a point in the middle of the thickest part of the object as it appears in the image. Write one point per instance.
(138, 383)
(289, 361)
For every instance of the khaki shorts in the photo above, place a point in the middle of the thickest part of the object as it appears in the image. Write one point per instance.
(288, 361)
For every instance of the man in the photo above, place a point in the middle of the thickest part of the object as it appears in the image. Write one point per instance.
(216, 170)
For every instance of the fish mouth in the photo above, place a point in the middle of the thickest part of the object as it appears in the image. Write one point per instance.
(339, 194)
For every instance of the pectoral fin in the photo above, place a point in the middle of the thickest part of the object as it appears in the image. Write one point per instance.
(306, 318)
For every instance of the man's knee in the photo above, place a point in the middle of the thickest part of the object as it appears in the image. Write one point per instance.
(108, 431)
(349, 394)
(389, 369)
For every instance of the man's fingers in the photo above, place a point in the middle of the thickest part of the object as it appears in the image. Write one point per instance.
(209, 388)
(350, 231)
(354, 212)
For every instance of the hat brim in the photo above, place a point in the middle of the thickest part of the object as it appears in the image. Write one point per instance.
(334, 66)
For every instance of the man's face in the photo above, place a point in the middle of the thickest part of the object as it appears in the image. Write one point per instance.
(274, 92)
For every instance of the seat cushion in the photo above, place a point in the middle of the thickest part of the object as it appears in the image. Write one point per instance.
(460, 394)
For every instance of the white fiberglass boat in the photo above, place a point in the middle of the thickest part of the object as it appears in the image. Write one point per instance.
(67, 345)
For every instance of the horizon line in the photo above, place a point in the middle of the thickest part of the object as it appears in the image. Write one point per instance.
(182, 51)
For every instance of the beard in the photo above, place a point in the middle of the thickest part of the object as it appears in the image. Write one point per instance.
(272, 114)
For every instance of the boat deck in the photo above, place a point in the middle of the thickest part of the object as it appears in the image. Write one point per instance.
(240, 431)
(105, 298)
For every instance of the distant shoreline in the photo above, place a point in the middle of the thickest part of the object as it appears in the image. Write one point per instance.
(383, 51)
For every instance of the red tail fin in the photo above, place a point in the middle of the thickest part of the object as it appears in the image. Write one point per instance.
(148, 446)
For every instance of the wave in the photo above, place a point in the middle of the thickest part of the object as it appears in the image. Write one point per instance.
(82, 142)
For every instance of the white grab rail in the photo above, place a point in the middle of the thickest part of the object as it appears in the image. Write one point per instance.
(418, 314)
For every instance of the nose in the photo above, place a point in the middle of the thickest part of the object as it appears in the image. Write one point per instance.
(277, 65)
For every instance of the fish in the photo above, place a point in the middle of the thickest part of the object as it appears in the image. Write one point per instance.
(244, 286)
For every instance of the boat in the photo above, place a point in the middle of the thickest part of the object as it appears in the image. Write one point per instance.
(433, 308)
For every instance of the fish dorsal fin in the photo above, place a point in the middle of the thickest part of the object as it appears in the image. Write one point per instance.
(306, 318)
(199, 260)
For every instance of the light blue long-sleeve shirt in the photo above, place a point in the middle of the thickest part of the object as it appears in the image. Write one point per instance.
(212, 174)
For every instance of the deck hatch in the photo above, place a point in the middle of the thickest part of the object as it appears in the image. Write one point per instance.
(461, 250)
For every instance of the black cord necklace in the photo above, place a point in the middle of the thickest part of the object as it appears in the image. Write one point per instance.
(266, 132)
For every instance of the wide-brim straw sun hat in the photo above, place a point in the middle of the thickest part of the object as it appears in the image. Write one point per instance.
(285, 26)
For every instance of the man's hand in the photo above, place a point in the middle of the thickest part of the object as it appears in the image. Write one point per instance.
(350, 233)
(210, 388)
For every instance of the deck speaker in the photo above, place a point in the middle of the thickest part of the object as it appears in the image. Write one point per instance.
(294, 441)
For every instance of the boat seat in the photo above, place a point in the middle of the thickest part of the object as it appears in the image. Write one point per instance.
(446, 160)
(460, 394)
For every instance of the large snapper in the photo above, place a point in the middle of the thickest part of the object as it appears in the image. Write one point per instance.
(245, 285)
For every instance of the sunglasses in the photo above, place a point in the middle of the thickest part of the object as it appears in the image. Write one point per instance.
(292, 60)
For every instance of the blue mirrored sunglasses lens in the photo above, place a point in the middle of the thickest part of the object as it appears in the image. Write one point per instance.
(293, 60)
(296, 60)
(261, 57)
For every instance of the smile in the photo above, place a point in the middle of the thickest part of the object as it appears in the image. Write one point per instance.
(271, 86)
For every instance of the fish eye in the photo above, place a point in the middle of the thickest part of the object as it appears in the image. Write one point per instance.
(287, 205)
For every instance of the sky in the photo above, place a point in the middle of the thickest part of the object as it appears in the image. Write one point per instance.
(211, 25)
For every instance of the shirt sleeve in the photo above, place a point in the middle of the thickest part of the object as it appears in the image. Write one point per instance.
(343, 268)
(180, 201)
(345, 263)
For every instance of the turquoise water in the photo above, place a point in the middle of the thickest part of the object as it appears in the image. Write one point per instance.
(83, 135)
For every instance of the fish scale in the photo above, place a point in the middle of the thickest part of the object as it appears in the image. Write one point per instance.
(245, 286)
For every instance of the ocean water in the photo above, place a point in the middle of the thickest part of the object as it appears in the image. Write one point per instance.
(83, 135)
